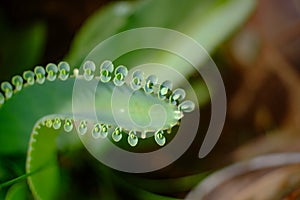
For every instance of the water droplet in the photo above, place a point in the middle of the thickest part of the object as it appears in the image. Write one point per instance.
(68, 126)
(159, 138)
(7, 89)
(120, 74)
(165, 90)
(177, 95)
(48, 123)
(64, 71)
(96, 133)
(117, 134)
(150, 82)
(2, 99)
(137, 80)
(187, 106)
(178, 114)
(82, 128)
(17, 81)
(51, 70)
(89, 69)
(132, 139)
(29, 77)
(39, 74)
(56, 123)
(104, 131)
(106, 70)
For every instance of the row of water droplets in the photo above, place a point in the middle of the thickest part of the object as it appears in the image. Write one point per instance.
(99, 131)
(39, 75)
(138, 81)
(107, 73)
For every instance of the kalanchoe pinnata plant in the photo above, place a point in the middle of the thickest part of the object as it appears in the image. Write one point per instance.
(40, 102)
(59, 81)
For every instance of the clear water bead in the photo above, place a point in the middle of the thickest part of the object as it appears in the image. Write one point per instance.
(151, 81)
(64, 71)
(132, 139)
(117, 134)
(51, 70)
(177, 96)
(137, 80)
(100, 131)
(104, 131)
(29, 77)
(56, 123)
(7, 89)
(89, 70)
(160, 138)
(187, 106)
(48, 123)
(82, 128)
(165, 90)
(40, 74)
(68, 126)
(106, 70)
(17, 81)
(120, 74)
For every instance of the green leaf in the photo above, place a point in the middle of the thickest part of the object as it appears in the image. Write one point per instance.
(207, 22)
(17, 192)
(42, 157)
(19, 114)
(21, 48)
(62, 97)
(99, 26)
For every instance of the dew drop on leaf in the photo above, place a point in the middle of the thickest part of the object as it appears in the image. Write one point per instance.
(96, 131)
(132, 139)
(64, 71)
(48, 123)
(187, 106)
(89, 69)
(104, 131)
(159, 138)
(7, 89)
(82, 128)
(165, 89)
(17, 81)
(29, 77)
(68, 126)
(150, 82)
(51, 70)
(39, 74)
(106, 70)
(137, 80)
(177, 95)
(117, 135)
(56, 123)
(120, 74)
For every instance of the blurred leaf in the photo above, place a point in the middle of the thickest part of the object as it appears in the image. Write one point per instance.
(24, 45)
(98, 27)
(17, 192)
(42, 161)
(208, 22)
